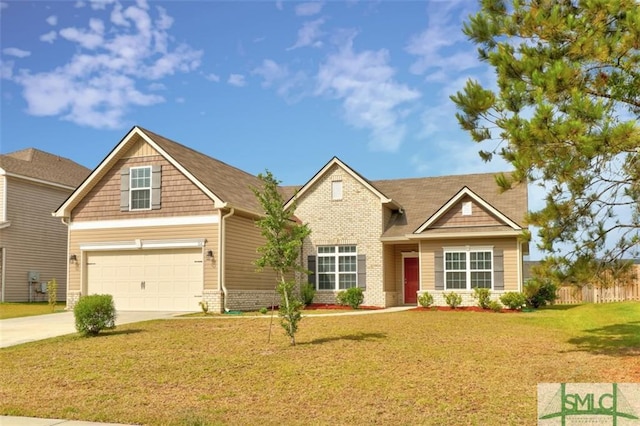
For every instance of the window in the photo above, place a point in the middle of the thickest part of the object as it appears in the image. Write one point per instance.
(468, 268)
(337, 267)
(336, 190)
(140, 188)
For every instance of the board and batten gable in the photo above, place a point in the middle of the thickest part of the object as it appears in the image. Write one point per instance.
(34, 240)
(356, 218)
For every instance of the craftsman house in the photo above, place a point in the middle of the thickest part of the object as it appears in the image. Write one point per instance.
(162, 227)
(33, 245)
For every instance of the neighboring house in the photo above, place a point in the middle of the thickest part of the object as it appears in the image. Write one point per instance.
(33, 245)
(161, 226)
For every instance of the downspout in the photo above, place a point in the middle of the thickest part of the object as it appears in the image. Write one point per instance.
(66, 221)
(221, 256)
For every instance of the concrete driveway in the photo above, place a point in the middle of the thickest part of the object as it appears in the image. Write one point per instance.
(15, 331)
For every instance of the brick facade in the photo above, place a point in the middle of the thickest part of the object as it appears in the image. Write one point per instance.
(355, 219)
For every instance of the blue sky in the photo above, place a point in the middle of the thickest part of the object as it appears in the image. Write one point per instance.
(276, 85)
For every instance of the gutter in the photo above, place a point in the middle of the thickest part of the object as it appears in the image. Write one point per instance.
(221, 256)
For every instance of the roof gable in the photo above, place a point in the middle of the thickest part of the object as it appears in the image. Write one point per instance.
(232, 185)
(335, 161)
(37, 165)
(456, 200)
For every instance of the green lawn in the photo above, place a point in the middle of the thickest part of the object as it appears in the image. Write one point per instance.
(15, 310)
(414, 367)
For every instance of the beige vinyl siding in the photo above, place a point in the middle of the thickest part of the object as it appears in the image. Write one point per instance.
(2, 199)
(208, 232)
(509, 246)
(454, 218)
(242, 238)
(179, 196)
(35, 241)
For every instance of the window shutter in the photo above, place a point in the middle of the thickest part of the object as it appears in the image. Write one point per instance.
(156, 181)
(498, 270)
(362, 271)
(311, 266)
(124, 190)
(438, 269)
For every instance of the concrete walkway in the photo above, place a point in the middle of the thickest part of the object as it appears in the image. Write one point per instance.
(15, 331)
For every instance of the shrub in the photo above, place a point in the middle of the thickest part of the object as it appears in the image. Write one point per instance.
(539, 293)
(52, 293)
(425, 299)
(495, 306)
(483, 295)
(307, 293)
(353, 297)
(95, 313)
(204, 306)
(453, 299)
(513, 300)
(263, 310)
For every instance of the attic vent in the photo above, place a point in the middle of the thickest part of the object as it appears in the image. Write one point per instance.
(466, 208)
(336, 190)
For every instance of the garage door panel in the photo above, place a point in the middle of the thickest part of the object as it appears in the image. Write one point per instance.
(148, 280)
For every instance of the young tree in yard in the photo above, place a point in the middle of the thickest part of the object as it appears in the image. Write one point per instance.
(565, 115)
(281, 252)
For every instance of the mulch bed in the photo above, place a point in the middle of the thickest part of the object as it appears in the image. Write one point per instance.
(337, 307)
(462, 309)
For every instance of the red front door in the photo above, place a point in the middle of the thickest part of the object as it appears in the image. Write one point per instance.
(410, 279)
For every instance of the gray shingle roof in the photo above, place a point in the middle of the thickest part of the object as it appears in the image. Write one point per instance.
(36, 164)
(228, 183)
(422, 197)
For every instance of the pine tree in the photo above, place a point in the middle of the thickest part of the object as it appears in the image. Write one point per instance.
(565, 115)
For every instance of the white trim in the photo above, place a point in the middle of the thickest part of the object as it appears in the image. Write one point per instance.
(452, 235)
(138, 223)
(466, 191)
(143, 244)
(5, 224)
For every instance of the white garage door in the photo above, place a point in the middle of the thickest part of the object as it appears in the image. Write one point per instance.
(149, 280)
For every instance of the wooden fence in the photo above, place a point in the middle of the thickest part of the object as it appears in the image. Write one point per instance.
(592, 294)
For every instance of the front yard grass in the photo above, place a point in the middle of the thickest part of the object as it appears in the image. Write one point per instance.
(15, 310)
(412, 367)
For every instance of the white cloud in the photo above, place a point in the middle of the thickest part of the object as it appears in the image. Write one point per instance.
(52, 20)
(49, 37)
(279, 5)
(6, 69)
(14, 51)
(212, 77)
(4, 5)
(237, 80)
(371, 98)
(99, 84)
(309, 35)
(279, 77)
(441, 49)
(309, 9)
